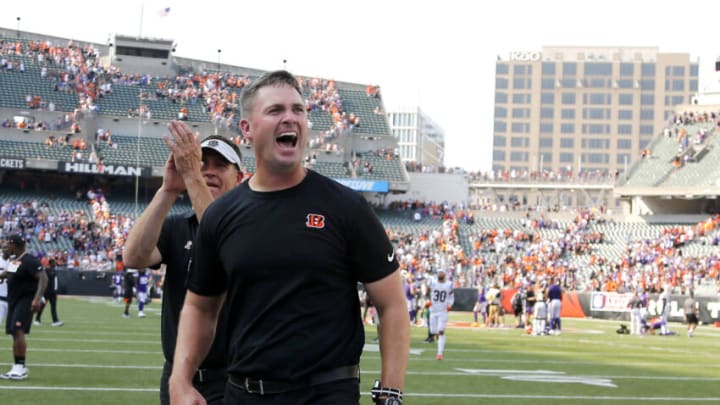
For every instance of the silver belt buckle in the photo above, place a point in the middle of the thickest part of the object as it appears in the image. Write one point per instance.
(250, 391)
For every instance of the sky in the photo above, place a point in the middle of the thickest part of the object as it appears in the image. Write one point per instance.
(438, 55)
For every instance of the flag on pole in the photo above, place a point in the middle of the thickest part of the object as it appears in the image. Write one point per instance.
(164, 12)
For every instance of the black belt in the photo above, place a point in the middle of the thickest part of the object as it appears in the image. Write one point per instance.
(202, 375)
(265, 387)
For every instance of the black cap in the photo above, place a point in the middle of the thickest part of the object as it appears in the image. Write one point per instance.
(16, 239)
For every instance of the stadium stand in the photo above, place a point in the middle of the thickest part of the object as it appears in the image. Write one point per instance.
(587, 246)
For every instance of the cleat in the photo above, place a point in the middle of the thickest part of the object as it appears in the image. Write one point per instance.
(439, 357)
(58, 323)
(17, 372)
(126, 315)
(141, 314)
(37, 323)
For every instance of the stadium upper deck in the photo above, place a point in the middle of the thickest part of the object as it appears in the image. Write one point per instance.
(49, 74)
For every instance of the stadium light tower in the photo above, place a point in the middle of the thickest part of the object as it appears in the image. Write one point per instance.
(218, 64)
(18, 27)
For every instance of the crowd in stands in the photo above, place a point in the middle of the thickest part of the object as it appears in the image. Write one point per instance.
(508, 257)
(61, 123)
(96, 235)
(520, 256)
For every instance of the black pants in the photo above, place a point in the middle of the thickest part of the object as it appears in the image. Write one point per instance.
(345, 392)
(52, 299)
(212, 390)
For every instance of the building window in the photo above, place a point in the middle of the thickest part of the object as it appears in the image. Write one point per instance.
(623, 158)
(500, 112)
(567, 128)
(598, 83)
(547, 98)
(546, 127)
(647, 84)
(522, 83)
(502, 69)
(598, 69)
(595, 129)
(548, 68)
(567, 114)
(519, 156)
(674, 100)
(566, 157)
(625, 99)
(521, 98)
(646, 130)
(647, 99)
(625, 129)
(501, 97)
(500, 126)
(625, 114)
(498, 155)
(499, 141)
(647, 69)
(518, 142)
(546, 157)
(567, 142)
(595, 143)
(596, 113)
(520, 128)
(546, 142)
(596, 158)
(548, 84)
(520, 70)
(624, 144)
(568, 98)
(521, 113)
(647, 114)
(626, 83)
(675, 70)
(501, 83)
(597, 98)
(569, 69)
(547, 112)
(627, 69)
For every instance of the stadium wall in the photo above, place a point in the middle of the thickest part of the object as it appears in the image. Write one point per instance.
(602, 305)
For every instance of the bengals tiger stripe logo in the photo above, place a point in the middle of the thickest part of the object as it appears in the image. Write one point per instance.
(316, 221)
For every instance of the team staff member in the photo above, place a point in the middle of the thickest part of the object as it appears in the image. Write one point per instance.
(554, 293)
(284, 251)
(3, 285)
(205, 170)
(50, 296)
(26, 285)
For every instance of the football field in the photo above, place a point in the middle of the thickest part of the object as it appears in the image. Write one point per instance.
(98, 357)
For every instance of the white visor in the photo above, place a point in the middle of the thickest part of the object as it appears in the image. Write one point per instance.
(223, 149)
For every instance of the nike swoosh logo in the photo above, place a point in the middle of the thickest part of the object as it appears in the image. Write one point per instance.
(391, 256)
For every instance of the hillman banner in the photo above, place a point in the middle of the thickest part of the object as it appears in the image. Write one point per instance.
(110, 170)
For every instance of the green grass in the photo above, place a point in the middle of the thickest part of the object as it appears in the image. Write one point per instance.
(100, 358)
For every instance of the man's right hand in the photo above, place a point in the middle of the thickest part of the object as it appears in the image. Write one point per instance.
(183, 393)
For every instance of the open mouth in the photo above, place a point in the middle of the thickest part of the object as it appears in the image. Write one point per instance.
(287, 139)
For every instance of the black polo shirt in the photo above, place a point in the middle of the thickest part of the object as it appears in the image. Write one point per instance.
(175, 245)
(290, 261)
(21, 278)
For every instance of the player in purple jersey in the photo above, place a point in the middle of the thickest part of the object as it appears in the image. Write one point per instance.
(143, 287)
(480, 307)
